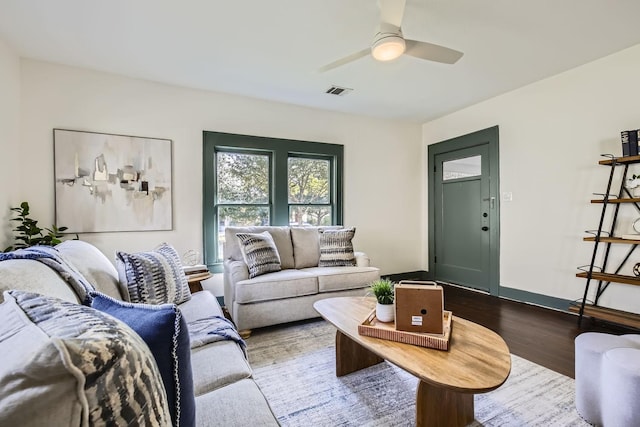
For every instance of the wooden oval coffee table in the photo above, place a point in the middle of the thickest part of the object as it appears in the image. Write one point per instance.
(477, 361)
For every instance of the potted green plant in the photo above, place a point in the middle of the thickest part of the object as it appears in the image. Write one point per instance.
(382, 289)
(28, 233)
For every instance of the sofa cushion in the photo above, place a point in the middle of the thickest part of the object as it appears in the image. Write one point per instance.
(201, 305)
(306, 246)
(278, 285)
(238, 404)
(336, 248)
(154, 277)
(72, 365)
(332, 279)
(164, 330)
(281, 237)
(217, 365)
(259, 253)
(93, 265)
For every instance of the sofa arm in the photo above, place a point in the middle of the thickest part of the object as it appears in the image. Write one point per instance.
(362, 260)
(234, 271)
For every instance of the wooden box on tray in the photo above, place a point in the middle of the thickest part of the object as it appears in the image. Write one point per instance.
(419, 307)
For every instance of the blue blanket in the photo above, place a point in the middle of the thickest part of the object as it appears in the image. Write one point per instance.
(213, 329)
(53, 259)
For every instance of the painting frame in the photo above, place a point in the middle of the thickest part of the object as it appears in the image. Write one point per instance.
(107, 182)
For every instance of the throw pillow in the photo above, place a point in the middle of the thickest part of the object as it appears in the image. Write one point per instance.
(336, 249)
(67, 364)
(259, 252)
(154, 277)
(164, 330)
(306, 246)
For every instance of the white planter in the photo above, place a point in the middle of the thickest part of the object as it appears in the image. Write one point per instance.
(385, 312)
(633, 185)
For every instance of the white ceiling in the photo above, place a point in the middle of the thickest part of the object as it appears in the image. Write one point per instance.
(272, 49)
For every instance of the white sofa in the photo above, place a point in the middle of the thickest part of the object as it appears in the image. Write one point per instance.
(225, 392)
(287, 295)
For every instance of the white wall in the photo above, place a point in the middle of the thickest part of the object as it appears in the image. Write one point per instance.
(551, 136)
(382, 158)
(9, 139)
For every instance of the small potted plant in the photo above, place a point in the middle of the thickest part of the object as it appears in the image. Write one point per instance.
(382, 289)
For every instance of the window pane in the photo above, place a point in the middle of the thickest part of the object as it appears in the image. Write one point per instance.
(308, 180)
(462, 168)
(242, 178)
(309, 215)
(239, 216)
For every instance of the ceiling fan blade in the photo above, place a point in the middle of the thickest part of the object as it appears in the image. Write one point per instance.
(432, 52)
(392, 11)
(345, 60)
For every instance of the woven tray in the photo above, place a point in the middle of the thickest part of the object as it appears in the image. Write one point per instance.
(387, 331)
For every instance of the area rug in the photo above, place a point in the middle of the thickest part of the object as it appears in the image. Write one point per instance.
(294, 365)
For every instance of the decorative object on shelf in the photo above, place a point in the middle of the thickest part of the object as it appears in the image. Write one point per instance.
(106, 182)
(629, 140)
(636, 269)
(636, 234)
(633, 185)
(382, 289)
(29, 234)
(191, 257)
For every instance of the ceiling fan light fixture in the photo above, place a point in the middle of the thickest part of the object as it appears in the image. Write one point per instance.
(388, 47)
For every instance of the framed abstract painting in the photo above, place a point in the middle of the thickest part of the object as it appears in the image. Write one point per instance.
(106, 182)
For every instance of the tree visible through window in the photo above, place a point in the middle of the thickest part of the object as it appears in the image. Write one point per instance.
(243, 188)
(309, 191)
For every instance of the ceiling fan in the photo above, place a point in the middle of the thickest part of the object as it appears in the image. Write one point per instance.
(389, 43)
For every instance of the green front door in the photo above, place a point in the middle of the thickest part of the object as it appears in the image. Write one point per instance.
(462, 223)
(464, 213)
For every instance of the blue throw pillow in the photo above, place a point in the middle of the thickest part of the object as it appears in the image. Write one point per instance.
(165, 332)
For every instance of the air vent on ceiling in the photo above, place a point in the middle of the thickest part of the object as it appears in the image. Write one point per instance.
(337, 90)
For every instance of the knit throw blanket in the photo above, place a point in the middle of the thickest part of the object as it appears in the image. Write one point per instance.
(213, 329)
(53, 259)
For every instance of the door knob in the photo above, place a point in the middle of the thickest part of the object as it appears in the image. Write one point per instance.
(485, 228)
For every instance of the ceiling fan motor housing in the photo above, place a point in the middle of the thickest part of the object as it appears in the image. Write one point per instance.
(388, 43)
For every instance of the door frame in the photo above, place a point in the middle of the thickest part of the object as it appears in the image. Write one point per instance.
(489, 136)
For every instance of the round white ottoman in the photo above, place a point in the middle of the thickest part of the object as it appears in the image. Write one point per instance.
(621, 388)
(589, 350)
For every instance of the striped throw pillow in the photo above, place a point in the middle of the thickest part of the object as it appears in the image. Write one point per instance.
(154, 277)
(336, 249)
(259, 252)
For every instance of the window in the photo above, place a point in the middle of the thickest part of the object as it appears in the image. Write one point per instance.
(462, 168)
(252, 180)
(309, 181)
(242, 190)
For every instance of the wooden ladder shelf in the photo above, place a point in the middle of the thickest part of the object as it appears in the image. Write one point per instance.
(606, 238)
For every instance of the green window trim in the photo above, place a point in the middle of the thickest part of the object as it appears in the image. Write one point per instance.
(280, 150)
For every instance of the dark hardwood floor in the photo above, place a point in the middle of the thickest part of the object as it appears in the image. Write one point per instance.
(538, 334)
